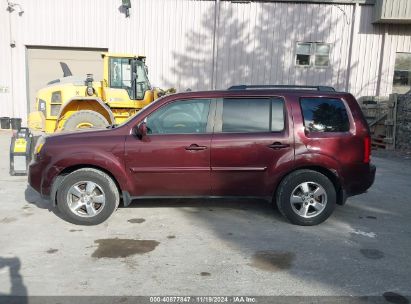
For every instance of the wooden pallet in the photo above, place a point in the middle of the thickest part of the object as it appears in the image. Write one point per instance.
(378, 142)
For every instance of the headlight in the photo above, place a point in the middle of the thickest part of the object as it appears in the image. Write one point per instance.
(89, 83)
(90, 91)
(39, 145)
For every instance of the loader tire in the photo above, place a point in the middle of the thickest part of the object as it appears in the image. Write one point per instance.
(85, 119)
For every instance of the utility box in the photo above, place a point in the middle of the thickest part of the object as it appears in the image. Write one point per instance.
(392, 11)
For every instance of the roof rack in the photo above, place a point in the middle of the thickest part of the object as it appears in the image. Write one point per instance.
(288, 87)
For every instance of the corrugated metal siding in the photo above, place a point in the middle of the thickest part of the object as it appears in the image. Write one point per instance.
(70, 23)
(392, 11)
(368, 47)
(365, 54)
(5, 64)
(398, 40)
(256, 42)
(175, 35)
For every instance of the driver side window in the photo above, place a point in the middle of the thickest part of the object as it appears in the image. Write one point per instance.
(180, 117)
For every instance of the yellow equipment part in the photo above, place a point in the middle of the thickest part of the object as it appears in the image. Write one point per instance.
(20, 151)
(20, 145)
(78, 105)
(36, 121)
(118, 98)
(79, 102)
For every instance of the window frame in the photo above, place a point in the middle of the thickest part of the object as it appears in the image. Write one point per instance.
(111, 60)
(146, 80)
(55, 104)
(132, 95)
(313, 54)
(218, 125)
(210, 117)
(309, 55)
(398, 88)
(347, 109)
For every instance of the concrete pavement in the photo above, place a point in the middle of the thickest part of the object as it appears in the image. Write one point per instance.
(196, 247)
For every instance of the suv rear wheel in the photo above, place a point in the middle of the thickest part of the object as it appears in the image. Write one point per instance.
(306, 197)
(87, 197)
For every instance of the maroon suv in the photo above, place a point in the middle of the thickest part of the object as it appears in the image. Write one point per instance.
(306, 149)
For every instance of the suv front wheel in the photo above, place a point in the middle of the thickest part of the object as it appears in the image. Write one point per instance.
(306, 197)
(87, 197)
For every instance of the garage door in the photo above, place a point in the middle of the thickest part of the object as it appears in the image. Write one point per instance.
(44, 66)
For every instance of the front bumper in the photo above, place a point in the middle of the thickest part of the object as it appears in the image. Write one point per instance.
(37, 173)
(34, 175)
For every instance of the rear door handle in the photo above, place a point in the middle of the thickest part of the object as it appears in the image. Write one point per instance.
(195, 147)
(277, 145)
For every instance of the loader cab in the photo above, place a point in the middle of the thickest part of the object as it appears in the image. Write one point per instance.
(127, 73)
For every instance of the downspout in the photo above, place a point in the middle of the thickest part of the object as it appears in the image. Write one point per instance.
(215, 46)
(382, 53)
(11, 45)
(353, 25)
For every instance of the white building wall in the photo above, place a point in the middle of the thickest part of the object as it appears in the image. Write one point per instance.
(374, 51)
(366, 51)
(398, 39)
(255, 45)
(168, 32)
(5, 64)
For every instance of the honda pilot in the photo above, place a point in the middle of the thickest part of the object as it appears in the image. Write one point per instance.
(305, 149)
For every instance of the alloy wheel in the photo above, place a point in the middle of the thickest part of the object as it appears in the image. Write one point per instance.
(308, 199)
(86, 199)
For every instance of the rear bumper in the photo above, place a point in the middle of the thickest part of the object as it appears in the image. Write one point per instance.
(361, 179)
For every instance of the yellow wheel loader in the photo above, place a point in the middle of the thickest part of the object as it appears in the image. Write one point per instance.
(73, 102)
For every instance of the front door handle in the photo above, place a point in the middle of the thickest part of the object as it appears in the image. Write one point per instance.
(277, 145)
(195, 147)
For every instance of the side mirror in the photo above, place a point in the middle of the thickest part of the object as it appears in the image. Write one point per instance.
(140, 130)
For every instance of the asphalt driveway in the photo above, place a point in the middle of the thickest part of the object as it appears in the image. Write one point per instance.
(198, 247)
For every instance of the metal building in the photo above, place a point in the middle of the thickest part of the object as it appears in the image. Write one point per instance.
(362, 46)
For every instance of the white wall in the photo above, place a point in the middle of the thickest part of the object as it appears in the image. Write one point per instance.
(5, 64)
(256, 42)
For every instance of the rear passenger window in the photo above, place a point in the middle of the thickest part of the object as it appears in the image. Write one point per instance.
(325, 115)
(244, 115)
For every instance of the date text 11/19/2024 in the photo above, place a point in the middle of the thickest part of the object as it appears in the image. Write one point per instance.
(203, 299)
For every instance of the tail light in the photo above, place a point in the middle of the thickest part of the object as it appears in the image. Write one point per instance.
(367, 149)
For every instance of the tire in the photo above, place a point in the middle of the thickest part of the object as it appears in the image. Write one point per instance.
(299, 201)
(87, 117)
(94, 208)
